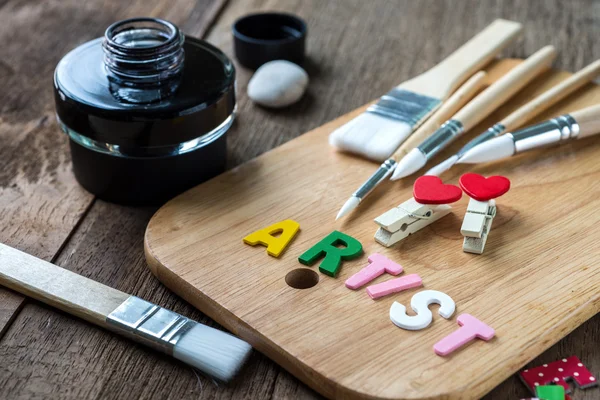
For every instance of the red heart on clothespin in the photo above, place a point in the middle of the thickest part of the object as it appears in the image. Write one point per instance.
(430, 189)
(482, 188)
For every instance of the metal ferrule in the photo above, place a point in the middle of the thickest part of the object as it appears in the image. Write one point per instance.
(491, 133)
(404, 105)
(382, 172)
(552, 131)
(441, 138)
(149, 324)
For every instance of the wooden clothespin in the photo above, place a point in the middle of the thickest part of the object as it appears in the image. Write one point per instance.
(481, 210)
(430, 203)
(477, 224)
(406, 219)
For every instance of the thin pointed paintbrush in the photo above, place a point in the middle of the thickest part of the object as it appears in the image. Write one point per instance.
(376, 133)
(447, 110)
(212, 351)
(525, 113)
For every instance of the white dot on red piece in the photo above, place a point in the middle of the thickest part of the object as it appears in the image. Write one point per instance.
(564, 360)
(592, 378)
(575, 373)
(556, 379)
(579, 364)
(540, 374)
(526, 370)
(545, 365)
(536, 384)
(561, 370)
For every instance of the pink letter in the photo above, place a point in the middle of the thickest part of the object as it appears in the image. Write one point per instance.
(394, 286)
(378, 264)
(470, 329)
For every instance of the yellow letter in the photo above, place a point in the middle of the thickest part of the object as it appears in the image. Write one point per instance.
(275, 245)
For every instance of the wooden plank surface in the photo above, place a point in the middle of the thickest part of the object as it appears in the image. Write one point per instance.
(40, 202)
(193, 245)
(358, 50)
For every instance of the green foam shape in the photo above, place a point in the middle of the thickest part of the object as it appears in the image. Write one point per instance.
(333, 255)
(550, 392)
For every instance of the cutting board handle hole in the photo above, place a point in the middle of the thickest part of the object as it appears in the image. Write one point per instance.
(302, 278)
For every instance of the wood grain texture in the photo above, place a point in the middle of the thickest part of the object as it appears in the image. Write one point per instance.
(505, 88)
(49, 354)
(58, 287)
(446, 76)
(552, 96)
(357, 51)
(588, 120)
(342, 343)
(40, 201)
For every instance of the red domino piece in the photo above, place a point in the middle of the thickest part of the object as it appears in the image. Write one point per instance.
(484, 189)
(559, 373)
(429, 189)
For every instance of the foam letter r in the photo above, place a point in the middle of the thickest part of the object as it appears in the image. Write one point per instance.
(332, 255)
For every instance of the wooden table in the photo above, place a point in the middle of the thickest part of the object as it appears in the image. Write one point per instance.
(357, 50)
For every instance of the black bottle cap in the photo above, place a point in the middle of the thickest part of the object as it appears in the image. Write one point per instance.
(260, 38)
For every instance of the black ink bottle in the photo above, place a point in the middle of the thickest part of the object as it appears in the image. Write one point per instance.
(146, 110)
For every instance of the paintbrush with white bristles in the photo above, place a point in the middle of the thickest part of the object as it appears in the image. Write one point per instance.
(476, 111)
(212, 351)
(412, 155)
(377, 133)
(559, 130)
(458, 99)
(524, 113)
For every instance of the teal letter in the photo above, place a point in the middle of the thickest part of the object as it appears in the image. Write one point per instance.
(333, 255)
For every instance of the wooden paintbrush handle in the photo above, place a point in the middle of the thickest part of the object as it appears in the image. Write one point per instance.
(504, 88)
(447, 110)
(57, 286)
(551, 96)
(588, 120)
(443, 79)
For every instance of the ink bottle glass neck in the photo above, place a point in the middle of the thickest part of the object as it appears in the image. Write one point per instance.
(144, 59)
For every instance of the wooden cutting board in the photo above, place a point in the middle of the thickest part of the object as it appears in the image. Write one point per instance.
(537, 280)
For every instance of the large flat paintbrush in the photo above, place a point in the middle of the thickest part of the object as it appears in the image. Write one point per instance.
(376, 133)
(447, 110)
(214, 352)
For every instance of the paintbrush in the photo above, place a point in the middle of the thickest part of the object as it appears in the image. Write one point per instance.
(447, 110)
(415, 152)
(576, 125)
(212, 351)
(525, 113)
(376, 133)
(478, 109)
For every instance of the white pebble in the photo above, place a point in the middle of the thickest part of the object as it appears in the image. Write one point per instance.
(277, 84)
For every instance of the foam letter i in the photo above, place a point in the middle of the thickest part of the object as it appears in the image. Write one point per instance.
(275, 244)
